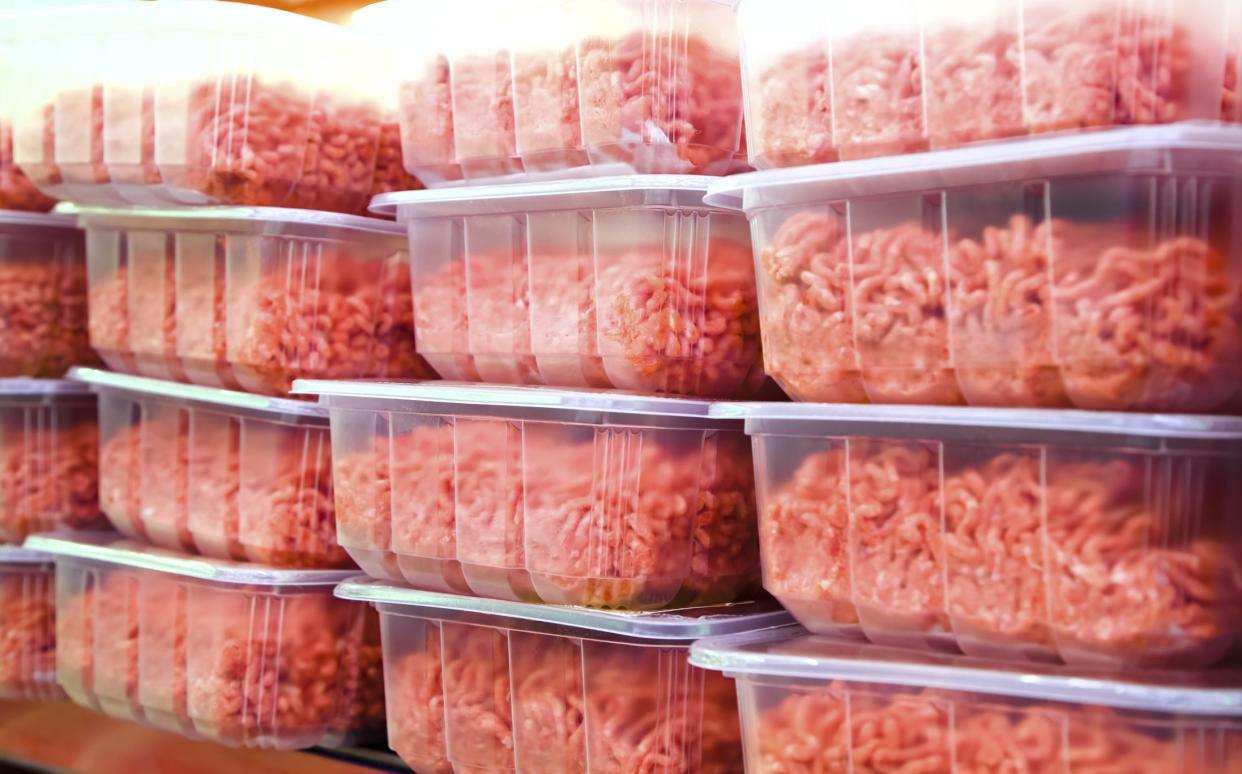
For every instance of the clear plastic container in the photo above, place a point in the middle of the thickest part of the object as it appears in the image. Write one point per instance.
(498, 91)
(589, 498)
(48, 458)
(247, 106)
(235, 653)
(223, 474)
(43, 317)
(812, 704)
(486, 686)
(628, 282)
(27, 626)
(849, 81)
(249, 298)
(1100, 271)
(1095, 538)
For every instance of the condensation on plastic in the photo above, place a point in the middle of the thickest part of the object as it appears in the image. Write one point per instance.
(48, 458)
(628, 282)
(1100, 271)
(43, 316)
(227, 475)
(510, 687)
(237, 654)
(27, 626)
(494, 91)
(247, 106)
(841, 81)
(529, 494)
(812, 704)
(249, 298)
(1032, 535)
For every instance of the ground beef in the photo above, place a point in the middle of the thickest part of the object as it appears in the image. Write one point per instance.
(43, 316)
(841, 727)
(48, 475)
(877, 92)
(28, 633)
(16, 190)
(390, 174)
(659, 516)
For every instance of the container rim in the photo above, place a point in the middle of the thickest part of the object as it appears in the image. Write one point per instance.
(110, 548)
(26, 386)
(823, 659)
(20, 555)
(97, 379)
(677, 625)
(206, 217)
(53, 221)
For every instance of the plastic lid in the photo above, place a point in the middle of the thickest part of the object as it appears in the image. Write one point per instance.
(681, 625)
(19, 555)
(262, 405)
(576, 194)
(1186, 147)
(24, 386)
(57, 221)
(110, 548)
(247, 219)
(791, 653)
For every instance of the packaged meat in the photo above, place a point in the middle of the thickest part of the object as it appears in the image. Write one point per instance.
(593, 498)
(48, 458)
(223, 474)
(1034, 535)
(249, 106)
(628, 282)
(27, 626)
(849, 81)
(43, 315)
(235, 653)
(492, 91)
(16, 190)
(484, 685)
(1100, 271)
(814, 704)
(249, 298)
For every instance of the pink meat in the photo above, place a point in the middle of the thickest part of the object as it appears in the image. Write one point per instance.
(390, 174)
(28, 634)
(16, 190)
(43, 318)
(48, 479)
(416, 692)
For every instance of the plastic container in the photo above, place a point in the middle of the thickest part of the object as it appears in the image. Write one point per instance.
(811, 704)
(16, 190)
(223, 474)
(628, 282)
(1096, 538)
(589, 498)
(247, 106)
(48, 458)
(849, 81)
(1101, 271)
(249, 298)
(43, 316)
(496, 91)
(27, 626)
(235, 653)
(480, 685)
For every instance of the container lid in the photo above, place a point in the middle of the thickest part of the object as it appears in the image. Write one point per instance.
(19, 555)
(110, 548)
(1199, 148)
(677, 191)
(54, 221)
(681, 625)
(264, 406)
(276, 221)
(964, 423)
(588, 406)
(792, 653)
(25, 386)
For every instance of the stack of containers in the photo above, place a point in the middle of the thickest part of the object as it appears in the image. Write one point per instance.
(1020, 221)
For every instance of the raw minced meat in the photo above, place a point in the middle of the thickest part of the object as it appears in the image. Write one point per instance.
(43, 315)
(28, 633)
(48, 477)
(16, 190)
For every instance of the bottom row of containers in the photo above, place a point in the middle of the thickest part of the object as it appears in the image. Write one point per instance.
(249, 655)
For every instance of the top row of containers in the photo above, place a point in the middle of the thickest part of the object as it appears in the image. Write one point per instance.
(252, 106)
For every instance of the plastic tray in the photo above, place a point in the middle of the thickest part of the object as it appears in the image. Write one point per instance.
(1100, 271)
(223, 474)
(48, 458)
(42, 295)
(247, 106)
(591, 498)
(627, 282)
(1033, 535)
(480, 685)
(809, 704)
(249, 298)
(236, 653)
(492, 90)
(894, 76)
(28, 623)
